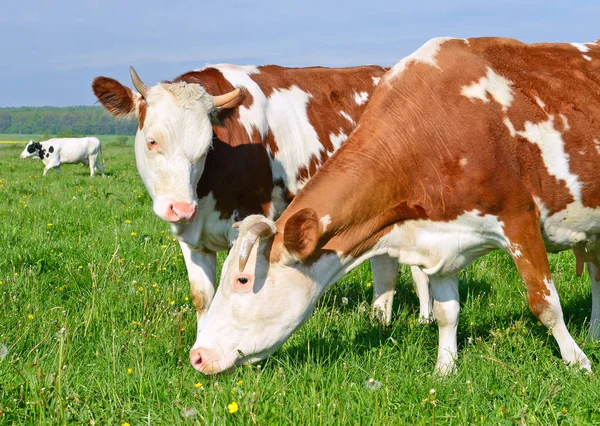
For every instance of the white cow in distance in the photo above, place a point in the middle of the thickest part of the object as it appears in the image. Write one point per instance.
(57, 151)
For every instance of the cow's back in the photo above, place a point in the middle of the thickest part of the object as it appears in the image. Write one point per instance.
(493, 126)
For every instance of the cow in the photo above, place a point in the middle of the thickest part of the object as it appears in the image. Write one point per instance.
(467, 146)
(57, 151)
(223, 142)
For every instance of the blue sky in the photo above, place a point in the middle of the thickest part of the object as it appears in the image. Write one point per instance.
(52, 50)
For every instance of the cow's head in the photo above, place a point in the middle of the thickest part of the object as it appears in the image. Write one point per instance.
(173, 137)
(32, 149)
(267, 291)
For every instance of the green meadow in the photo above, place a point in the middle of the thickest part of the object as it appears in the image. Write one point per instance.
(96, 324)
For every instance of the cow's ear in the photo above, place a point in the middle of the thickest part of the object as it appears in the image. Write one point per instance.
(118, 100)
(301, 234)
(226, 125)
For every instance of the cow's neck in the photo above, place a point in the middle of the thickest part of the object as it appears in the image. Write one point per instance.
(357, 197)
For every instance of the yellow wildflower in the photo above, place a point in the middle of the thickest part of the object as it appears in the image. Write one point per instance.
(233, 407)
(127, 221)
(239, 383)
(30, 316)
(198, 385)
(129, 371)
(133, 234)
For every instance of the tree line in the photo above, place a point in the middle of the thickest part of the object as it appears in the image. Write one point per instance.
(78, 120)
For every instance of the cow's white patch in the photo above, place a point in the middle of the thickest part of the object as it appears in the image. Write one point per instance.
(325, 221)
(510, 126)
(361, 98)
(565, 122)
(573, 225)
(337, 140)
(252, 117)
(552, 146)
(495, 85)
(463, 162)
(581, 47)
(443, 247)
(296, 137)
(541, 103)
(347, 117)
(376, 80)
(597, 145)
(425, 54)
(587, 58)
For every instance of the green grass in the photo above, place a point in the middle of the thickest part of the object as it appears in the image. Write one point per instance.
(24, 138)
(95, 314)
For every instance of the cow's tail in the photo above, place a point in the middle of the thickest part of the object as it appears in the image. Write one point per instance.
(100, 152)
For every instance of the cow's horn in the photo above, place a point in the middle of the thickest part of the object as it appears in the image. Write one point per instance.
(256, 231)
(139, 85)
(221, 100)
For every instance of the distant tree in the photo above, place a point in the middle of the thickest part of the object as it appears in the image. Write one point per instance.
(69, 121)
(122, 140)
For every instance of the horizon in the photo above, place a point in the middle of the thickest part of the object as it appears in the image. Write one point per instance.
(56, 50)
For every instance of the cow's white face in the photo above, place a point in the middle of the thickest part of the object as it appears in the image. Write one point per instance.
(173, 138)
(31, 150)
(256, 310)
(171, 147)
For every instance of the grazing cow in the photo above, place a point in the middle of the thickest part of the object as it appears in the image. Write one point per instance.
(468, 145)
(57, 151)
(211, 161)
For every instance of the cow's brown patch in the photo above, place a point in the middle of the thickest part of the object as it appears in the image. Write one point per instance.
(198, 297)
(142, 107)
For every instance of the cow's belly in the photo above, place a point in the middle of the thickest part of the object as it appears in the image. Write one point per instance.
(575, 225)
(444, 248)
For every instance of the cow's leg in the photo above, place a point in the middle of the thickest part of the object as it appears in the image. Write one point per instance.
(446, 307)
(46, 170)
(421, 285)
(92, 160)
(594, 333)
(529, 254)
(57, 168)
(202, 269)
(385, 273)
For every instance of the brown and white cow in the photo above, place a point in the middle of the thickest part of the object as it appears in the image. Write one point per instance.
(467, 145)
(209, 162)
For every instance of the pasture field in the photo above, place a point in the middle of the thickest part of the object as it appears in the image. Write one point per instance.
(96, 324)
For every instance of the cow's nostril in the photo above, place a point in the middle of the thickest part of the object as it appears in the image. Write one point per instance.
(196, 359)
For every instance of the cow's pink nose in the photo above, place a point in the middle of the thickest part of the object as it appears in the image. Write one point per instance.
(204, 361)
(196, 358)
(181, 212)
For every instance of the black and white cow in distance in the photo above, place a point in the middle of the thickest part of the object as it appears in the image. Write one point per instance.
(57, 151)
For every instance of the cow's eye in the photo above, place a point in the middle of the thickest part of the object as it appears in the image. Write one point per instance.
(151, 144)
(242, 282)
